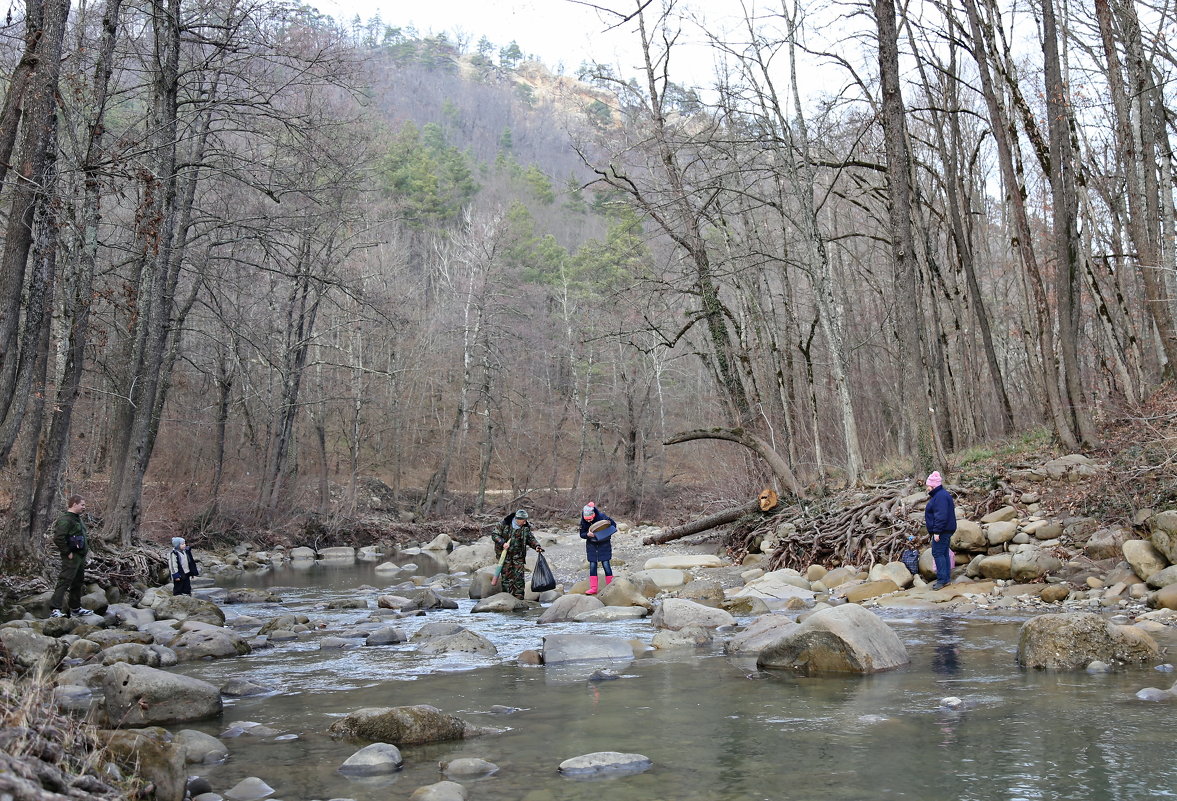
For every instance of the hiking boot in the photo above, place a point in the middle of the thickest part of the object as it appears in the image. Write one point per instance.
(57, 613)
(80, 612)
(939, 585)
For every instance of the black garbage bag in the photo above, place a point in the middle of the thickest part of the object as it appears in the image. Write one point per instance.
(542, 579)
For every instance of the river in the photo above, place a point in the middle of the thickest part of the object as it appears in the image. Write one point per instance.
(714, 727)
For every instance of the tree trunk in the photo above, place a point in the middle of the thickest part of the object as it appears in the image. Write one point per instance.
(35, 95)
(1065, 207)
(914, 391)
(1024, 238)
(752, 442)
(702, 524)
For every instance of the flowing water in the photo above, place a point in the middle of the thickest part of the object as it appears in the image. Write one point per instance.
(714, 727)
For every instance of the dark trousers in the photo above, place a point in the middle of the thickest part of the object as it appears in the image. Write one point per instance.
(605, 563)
(69, 580)
(940, 554)
(183, 586)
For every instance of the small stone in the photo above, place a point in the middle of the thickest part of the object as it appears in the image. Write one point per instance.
(251, 789)
(1096, 666)
(468, 767)
(603, 675)
(952, 702)
(605, 762)
(441, 791)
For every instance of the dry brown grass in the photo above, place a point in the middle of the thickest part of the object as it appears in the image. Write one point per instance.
(47, 755)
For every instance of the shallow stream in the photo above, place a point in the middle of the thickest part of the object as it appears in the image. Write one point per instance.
(714, 727)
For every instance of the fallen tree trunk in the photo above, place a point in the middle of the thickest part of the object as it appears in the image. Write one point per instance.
(702, 524)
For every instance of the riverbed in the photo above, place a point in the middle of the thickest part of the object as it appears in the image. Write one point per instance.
(715, 727)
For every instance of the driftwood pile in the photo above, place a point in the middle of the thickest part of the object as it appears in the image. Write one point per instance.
(864, 530)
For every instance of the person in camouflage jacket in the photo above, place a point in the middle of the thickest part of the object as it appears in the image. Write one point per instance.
(514, 534)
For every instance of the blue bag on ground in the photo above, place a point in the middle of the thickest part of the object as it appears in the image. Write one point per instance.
(542, 579)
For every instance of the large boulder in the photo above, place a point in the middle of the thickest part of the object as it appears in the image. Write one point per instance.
(1031, 562)
(780, 589)
(201, 748)
(481, 585)
(137, 695)
(969, 536)
(675, 613)
(998, 566)
(623, 592)
(464, 642)
(1000, 532)
(1071, 641)
(702, 591)
(1163, 534)
(559, 648)
(893, 571)
(211, 642)
(664, 578)
(611, 614)
(1003, 514)
(128, 616)
(29, 650)
(688, 637)
(133, 653)
(402, 725)
(760, 633)
(858, 593)
(1106, 543)
(251, 595)
(842, 639)
(154, 754)
(501, 602)
(468, 558)
(682, 562)
(186, 607)
(1144, 558)
(338, 553)
(1164, 598)
(567, 607)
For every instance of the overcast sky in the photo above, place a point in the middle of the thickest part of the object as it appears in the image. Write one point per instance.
(558, 31)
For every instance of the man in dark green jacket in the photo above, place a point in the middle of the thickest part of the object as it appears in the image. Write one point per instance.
(69, 535)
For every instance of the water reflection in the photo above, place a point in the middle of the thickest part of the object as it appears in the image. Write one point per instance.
(945, 660)
(714, 728)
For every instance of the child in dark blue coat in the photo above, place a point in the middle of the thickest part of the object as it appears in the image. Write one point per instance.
(597, 530)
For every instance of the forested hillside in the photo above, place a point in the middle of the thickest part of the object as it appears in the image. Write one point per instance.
(254, 259)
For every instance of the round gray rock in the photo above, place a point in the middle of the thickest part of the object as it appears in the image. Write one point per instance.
(376, 759)
(201, 748)
(251, 789)
(441, 791)
(468, 767)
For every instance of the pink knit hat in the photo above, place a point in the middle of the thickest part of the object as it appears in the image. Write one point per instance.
(589, 510)
(934, 480)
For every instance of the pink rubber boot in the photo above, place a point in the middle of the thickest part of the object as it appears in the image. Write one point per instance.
(608, 580)
(592, 590)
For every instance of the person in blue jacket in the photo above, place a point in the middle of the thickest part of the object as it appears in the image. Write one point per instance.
(598, 542)
(940, 520)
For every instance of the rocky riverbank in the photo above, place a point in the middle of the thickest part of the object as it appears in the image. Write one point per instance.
(1098, 597)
